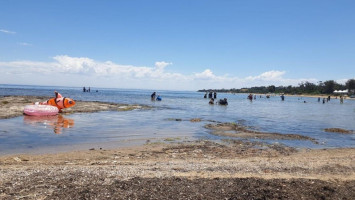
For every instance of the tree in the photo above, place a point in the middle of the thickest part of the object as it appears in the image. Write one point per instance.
(289, 89)
(350, 84)
(301, 87)
(310, 87)
(329, 87)
(271, 88)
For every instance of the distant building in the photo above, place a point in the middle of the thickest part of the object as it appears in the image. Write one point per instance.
(341, 91)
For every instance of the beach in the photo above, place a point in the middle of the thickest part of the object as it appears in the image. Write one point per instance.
(236, 168)
(191, 100)
(199, 170)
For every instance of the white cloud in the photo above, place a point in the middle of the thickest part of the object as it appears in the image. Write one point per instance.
(268, 76)
(24, 44)
(205, 75)
(85, 71)
(160, 66)
(73, 65)
(342, 81)
(7, 31)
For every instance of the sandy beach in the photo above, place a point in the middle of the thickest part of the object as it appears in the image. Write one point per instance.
(230, 169)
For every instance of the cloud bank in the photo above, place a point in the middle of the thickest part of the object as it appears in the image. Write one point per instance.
(81, 71)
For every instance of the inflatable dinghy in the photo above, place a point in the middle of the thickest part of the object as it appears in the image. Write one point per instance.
(40, 110)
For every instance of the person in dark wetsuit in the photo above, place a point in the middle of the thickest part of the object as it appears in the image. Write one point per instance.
(210, 95)
(223, 102)
(153, 96)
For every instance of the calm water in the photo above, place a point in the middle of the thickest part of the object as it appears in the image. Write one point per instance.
(26, 134)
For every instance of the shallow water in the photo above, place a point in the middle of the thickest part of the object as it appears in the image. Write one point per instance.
(24, 134)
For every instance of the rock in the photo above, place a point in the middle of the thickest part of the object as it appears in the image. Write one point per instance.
(17, 159)
(195, 120)
(338, 130)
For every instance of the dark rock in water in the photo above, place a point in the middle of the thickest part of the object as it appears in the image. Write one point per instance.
(339, 130)
(195, 120)
(238, 130)
(173, 119)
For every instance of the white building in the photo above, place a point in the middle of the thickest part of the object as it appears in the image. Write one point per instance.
(341, 91)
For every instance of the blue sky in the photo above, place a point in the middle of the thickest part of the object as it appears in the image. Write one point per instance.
(176, 45)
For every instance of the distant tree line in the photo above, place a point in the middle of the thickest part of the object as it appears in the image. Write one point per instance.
(326, 87)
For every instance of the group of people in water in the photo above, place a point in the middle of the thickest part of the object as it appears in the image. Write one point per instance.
(155, 97)
(251, 97)
(282, 96)
(212, 96)
(88, 90)
(328, 99)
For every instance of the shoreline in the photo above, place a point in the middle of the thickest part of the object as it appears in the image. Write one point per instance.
(13, 106)
(244, 159)
(228, 170)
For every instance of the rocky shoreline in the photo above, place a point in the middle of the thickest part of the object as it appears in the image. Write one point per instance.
(229, 169)
(13, 106)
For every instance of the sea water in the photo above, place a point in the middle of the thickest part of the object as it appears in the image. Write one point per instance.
(169, 119)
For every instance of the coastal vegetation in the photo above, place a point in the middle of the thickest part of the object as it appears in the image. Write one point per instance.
(326, 87)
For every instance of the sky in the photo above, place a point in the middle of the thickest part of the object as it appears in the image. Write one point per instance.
(176, 44)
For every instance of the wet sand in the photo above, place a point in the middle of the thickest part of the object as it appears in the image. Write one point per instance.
(240, 131)
(229, 169)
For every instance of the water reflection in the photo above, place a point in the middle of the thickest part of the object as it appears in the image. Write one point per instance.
(57, 122)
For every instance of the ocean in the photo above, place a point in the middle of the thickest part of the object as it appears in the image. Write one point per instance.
(169, 120)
